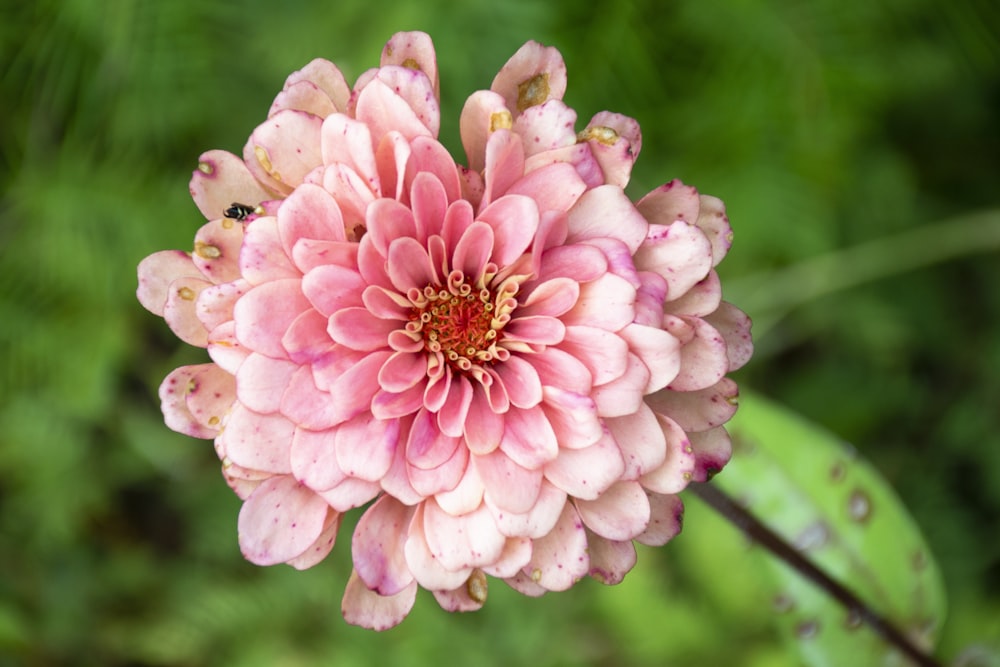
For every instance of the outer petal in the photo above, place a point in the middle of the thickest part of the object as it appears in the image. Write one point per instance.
(280, 520)
(283, 149)
(532, 76)
(377, 546)
(560, 558)
(368, 609)
(222, 179)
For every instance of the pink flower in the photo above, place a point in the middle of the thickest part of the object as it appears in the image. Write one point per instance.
(514, 366)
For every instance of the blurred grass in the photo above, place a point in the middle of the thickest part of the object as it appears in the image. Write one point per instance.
(822, 124)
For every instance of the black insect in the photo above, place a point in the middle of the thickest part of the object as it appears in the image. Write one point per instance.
(238, 211)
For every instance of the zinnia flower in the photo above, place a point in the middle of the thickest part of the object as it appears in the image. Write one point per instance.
(514, 367)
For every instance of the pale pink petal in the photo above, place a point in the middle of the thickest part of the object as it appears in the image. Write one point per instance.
(367, 609)
(469, 597)
(555, 187)
(224, 349)
(157, 271)
(605, 212)
(552, 297)
(409, 265)
(425, 566)
(259, 442)
(283, 149)
(307, 340)
(390, 405)
(560, 369)
(603, 353)
(327, 77)
(702, 299)
(261, 381)
(414, 50)
(428, 201)
(560, 558)
(307, 254)
(377, 546)
(546, 126)
(620, 513)
(514, 219)
(356, 387)
(508, 486)
(442, 479)
(366, 446)
(520, 380)
(669, 202)
(222, 179)
(734, 325)
(217, 250)
(649, 298)
(426, 446)
(608, 303)
(673, 475)
(610, 561)
(516, 554)
(528, 438)
(572, 416)
(534, 330)
(536, 522)
(579, 262)
(641, 441)
(466, 496)
(484, 113)
(679, 252)
(331, 288)
(666, 513)
(349, 142)
(698, 410)
(264, 314)
(623, 395)
(483, 428)
(659, 352)
(314, 460)
(523, 584)
(263, 257)
(279, 521)
(322, 546)
(210, 395)
(303, 96)
(586, 473)
(465, 541)
(181, 312)
(473, 250)
(309, 213)
(382, 109)
(713, 221)
(504, 165)
(615, 141)
(532, 76)
(402, 371)
(174, 392)
(358, 329)
(350, 493)
(704, 358)
(455, 411)
(430, 157)
(215, 304)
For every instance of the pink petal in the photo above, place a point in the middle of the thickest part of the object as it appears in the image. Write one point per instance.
(704, 358)
(508, 486)
(713, 221)
(264, 314)
(377, 546)
(547, 126)
(465, 497)
(322, 546)
(368, 609)
(350, 493)
(560, 369)
(349, 142)
(358, 329)
(306, 339)
(534, 330)
(610, 561)
(221, 179)
(586, 473)
(224, 349)
(387, 304)
(426, 446)
(331, 288)
(356, 387)
(484, 112)
(280, 520)
(261, 381)
(673, 475)
(409, 265)
(428, 201)
(283, 149)
(217, 250)
(460, 542)
(606, 212)
(157, 271)
(615, 141)
(520, 380)
(552, 297)
(396, 481)
(309, 213)
(430, 157)
(402, 371)
(573, 418)
(712, 450)
(325, 76)
(679, 252)
(579, 262)
(528, 438)
(659, 352)
(608, 303)
(307, 254)
(314, 460)
(210, 395)
(382, 109)
(554, 187)
(483, 428)
(259, 442)
(473, 250)
(665, 516)
(303, 96)
(180, 310)
(560, 558)
(620, 513)
(669, 202)
(390, 405)
(215, 304)
(734, 325)
(442, 479)
(366, 446)
(698, 410)
(603, 353)
(461, 598)
(516, 554)
(623, 395)
(453, 414)
(536, 522)
(504, 165)
(262, 256)
(427, 569)
(174, 392)
(641, 440)
(414, 50)
(532, 76)
(514, 219)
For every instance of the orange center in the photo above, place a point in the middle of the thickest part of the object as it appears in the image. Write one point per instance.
(459, 323)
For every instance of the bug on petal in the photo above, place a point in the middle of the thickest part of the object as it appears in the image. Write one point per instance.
(241, 212)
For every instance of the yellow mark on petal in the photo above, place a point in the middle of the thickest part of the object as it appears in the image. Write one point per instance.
(227, 223)
(207, 251)
(477, 586)
(265, 161)
(533, 91)
(214, 421)
(501, 120)
(206, 168)
(186, 293)
(536, 575)
(733, 400)
(599, 133)
(410, 63)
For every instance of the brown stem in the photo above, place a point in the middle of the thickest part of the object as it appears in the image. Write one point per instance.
(779, 548)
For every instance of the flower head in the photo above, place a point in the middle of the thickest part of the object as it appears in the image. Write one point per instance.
(511, 364)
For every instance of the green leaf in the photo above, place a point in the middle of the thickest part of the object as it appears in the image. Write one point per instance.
(814, 491)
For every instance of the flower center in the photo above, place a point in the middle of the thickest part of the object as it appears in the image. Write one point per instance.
(460, 322)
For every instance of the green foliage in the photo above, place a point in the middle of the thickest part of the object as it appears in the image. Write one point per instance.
(823, 124)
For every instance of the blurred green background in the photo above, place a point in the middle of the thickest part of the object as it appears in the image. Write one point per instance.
(825, 125)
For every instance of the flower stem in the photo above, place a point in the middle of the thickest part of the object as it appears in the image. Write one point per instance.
(779, 548)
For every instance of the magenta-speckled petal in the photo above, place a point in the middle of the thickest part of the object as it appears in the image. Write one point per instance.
(280, 520)
(368, 609)
(222, 179)
(377, 547)
(560, 558)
